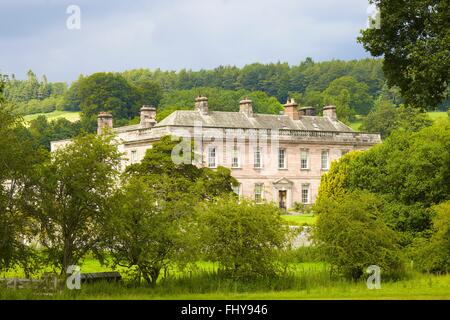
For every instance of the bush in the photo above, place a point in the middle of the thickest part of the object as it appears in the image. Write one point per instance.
(433, 254)
(352, 235)
(243, 237)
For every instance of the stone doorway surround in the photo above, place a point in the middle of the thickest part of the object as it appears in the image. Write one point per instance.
(283, 184)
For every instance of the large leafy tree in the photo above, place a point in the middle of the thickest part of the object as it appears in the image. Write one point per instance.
(67, 196)
(106, 92)
(151, 220)
(17, 158)
(414, 39)
(356, 93)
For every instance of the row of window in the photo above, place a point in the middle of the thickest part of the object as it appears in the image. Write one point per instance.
(257, 163)
(259, 189)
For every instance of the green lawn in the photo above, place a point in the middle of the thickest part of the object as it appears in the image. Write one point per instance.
(300, 220)
(69, 115)
(434, 115)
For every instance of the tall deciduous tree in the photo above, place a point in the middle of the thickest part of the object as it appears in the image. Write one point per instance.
(414, 39)
(67, 197)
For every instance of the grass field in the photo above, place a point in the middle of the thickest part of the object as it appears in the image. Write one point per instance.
(300, 220)
(434, 115)
(71, 116)
(305, 281)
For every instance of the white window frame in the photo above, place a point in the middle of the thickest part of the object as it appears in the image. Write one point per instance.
(235, 156)
(133, 156)
(210, 158)
(284, 158)
(237, 189)
(261, 193)
(306, 151)
(327, 152)
(305, 187)
(257, 151)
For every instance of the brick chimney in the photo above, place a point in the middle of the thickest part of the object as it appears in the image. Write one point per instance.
(104, 120)
(201, 105)
(330, 112)
(246, 107)
(307, 111)
(290, 109)
(148, 116)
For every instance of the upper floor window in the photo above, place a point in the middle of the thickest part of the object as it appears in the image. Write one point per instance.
(212, 155)
(235, 158)
(258, 192)
(325, 159)
(257, 158)
(281, 158)
(304, 159)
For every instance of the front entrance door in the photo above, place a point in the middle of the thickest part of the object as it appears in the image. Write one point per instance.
(282, 198)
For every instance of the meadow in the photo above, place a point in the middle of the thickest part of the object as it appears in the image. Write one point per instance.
(303, 280)
(69, 115)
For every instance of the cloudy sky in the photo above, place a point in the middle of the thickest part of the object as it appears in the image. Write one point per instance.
(117, 35)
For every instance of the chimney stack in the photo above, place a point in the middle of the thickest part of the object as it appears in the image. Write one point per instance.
(104, 120)
(290, 109)
(307, 111)
(148, 116)
(330, 112)
(201, 105)
(246, 107)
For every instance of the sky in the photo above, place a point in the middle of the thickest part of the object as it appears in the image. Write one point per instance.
(119, 35)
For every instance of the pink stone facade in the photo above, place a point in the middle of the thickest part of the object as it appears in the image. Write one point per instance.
(310, 144)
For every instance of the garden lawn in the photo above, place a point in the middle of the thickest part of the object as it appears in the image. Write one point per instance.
(299, 220)
(71, 116)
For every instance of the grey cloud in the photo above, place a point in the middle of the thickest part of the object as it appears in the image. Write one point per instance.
(119, 35)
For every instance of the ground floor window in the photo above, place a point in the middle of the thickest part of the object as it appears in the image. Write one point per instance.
(258, 192)
(305, 193)
(237, 189)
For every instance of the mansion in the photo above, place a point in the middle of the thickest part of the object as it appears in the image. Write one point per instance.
(277, 158)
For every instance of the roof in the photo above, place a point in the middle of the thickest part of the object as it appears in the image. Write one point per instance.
(222, 119)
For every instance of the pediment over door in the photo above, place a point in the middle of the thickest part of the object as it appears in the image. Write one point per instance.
(282, 182)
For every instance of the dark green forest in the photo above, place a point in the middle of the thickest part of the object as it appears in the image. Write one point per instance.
(352, 85)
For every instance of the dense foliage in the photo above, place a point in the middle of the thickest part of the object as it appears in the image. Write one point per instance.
(244, 237)
(409, 174)
(352, 235)
(414, 40)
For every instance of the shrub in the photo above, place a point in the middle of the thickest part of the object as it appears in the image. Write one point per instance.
(433, 254)
(352, 235)
(243, 237)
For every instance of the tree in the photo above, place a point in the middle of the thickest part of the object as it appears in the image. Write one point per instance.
(17, 158)
(145, 230)
(433, 254)
(352, 235)
(150, 92)
(413, 38)
(242, 236)
(386, 118)
(107, 92)
(357, 94)
(44, 131)
(151, 222)
(67, 197)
